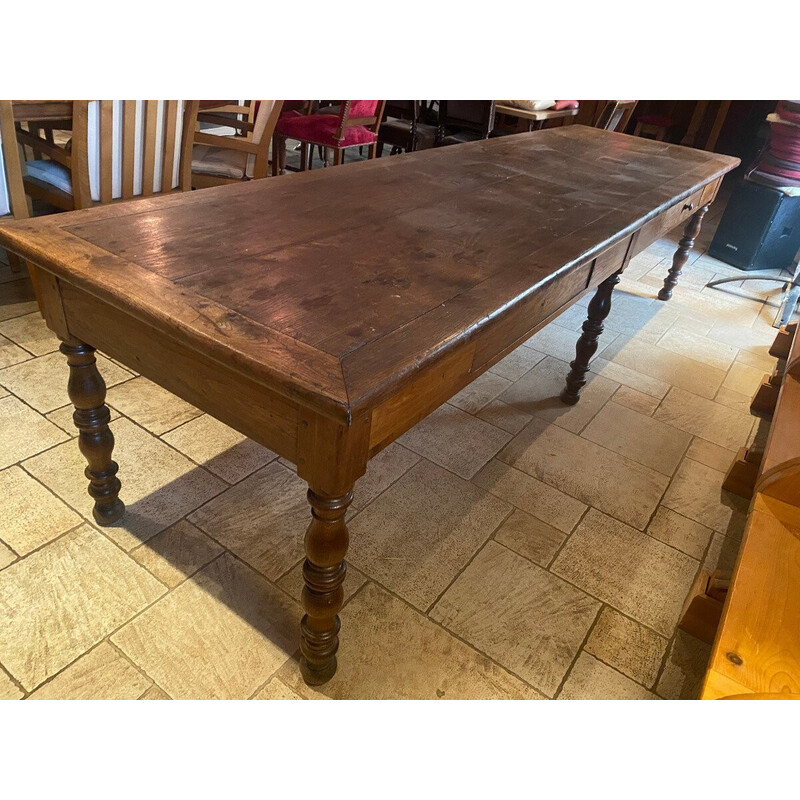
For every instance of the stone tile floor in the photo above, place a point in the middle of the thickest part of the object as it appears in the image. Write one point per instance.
(507, 547)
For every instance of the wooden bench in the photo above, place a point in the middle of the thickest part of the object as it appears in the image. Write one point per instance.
(756, 650)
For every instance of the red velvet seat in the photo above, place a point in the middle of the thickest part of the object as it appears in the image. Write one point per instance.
(355, 126)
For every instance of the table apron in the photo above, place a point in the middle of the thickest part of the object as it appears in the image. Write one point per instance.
(246, 405)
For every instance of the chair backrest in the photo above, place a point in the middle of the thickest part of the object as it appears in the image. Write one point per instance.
(476, 116)
(362, 113)
(401, 109)
(12, 192)
(123, 149)
(615, 115)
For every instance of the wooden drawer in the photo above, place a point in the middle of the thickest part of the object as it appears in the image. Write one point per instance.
(609, 261)
(667, 220)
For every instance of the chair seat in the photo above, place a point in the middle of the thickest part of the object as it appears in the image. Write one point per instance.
(209, 160)
(397, 132)
(50, 172)
(321, 129)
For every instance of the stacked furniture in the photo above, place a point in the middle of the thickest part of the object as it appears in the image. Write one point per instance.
(756, 651)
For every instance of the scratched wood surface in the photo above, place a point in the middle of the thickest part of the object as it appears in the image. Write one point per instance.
(334, 286)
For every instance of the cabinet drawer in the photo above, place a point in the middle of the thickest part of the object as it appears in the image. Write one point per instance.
(667, 220)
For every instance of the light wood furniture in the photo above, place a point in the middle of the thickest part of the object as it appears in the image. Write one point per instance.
(615, 115)
(121, 149)
(372, 296)
(217, 160)
(534, 120)
(757, 645)
(13, 203)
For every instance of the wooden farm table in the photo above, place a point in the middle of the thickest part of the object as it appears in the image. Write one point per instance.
(326, 313)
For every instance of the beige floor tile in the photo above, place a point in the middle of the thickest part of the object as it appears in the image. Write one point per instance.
(537, 394)
(220, 449)
(382, 471)
(517, 363)
(151, 406)
(627, 646)
(630, 378)
(159, 486)
(219, 635)
(480, 392)
(558, 342)
(698, 347)
(635, 400)
(696, 274)
(762, 361)
(627, 569)
(30, 515)
(64, 599)
(17, 299)
(531, 495)
(25, 432)
(389, 651)
(701, 417)
(685, 668)
(696, 492)
(102, 674)
(30, 332)
(503, 416)
(756, 340)
(8, 689)
(11, 353)
(530, 537)
(710, 454)
(591, 679)
(176, 553)
(638, 437)
(665, 365)
(521, 616)
(63, 418)
(591, 473)
(717, 306)
(734, 400)
(455, 440)
(292, 582)
(276, 689)
(419, 533)
(42, 382)
(155, 693)
(722, 553)
(263, 520)
(684, 534)
(743, 378)
(7, 556)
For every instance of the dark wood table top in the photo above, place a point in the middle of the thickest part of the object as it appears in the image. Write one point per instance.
(333, 285)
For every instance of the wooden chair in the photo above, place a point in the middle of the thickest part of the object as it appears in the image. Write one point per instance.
(464, 121)
(120, 149)
(615, 115)
(356, 125)
(217, 160)
(402, 128)
(13, 203)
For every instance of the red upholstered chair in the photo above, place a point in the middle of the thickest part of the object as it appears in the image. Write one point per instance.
(356, 125)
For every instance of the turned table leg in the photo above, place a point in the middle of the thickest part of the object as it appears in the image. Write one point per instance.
(586, 347)
(324, 570)
(681, 256)
(87, 391)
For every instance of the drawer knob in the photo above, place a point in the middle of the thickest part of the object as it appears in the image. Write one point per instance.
(688, 206)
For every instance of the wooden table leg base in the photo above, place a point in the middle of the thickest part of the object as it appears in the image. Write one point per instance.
(586, 347)
(87, 391)
(681, 255)
(323, 572)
